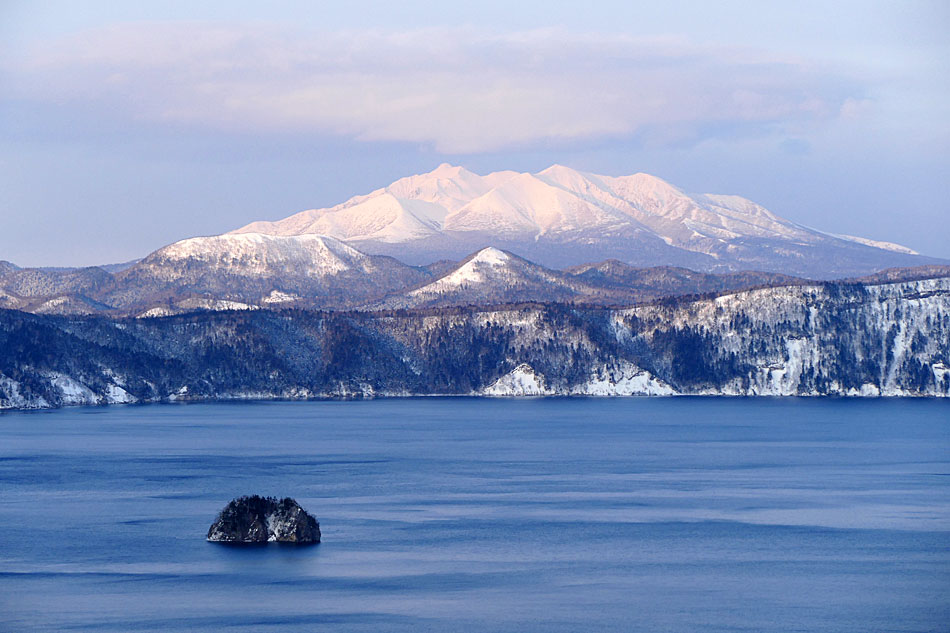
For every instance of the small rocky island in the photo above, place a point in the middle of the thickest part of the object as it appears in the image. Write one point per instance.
(256, 519)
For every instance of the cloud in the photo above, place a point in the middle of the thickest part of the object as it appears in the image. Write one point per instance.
(855, 108)
(456, 90)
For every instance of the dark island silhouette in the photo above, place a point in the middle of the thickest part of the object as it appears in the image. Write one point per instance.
(255, 519)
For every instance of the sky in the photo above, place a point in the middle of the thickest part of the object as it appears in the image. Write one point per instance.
(128, 126)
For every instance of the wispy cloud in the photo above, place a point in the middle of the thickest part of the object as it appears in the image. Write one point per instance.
(457, 90)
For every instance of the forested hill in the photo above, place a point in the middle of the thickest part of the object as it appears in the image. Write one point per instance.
(824, 339)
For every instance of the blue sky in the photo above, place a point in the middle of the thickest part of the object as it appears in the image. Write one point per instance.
(126, 126)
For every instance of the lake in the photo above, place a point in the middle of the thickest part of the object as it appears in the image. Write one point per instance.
(463, 514)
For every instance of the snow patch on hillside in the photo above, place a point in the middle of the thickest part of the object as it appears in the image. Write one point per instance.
(159, 311)
(278, 296)
(520, 381)
(192, 304)
(12, 397)
(620, 379)
(887, 246)
(73, 392)
(623, 379)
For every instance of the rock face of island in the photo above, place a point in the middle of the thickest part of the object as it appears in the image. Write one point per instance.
(255, 519)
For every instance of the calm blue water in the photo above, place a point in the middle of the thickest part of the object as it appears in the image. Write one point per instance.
(681, 514)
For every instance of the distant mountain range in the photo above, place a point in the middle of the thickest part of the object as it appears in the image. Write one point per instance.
(454, 238)
(560, 217)
(495, 277)
(253, 271)
(556, 283)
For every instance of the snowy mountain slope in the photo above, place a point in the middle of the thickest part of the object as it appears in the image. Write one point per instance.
(242, 271)
(495, 277)
(66, 303)
(888, 246)
(254, 255)
(560, 217)
(491, 276)
(610, 379)
(529, 205)
(410, 208)
(249, 271)
(892, 337)
(11, 300)
(385, 218)
(668, 281)
(43, 282)
(258, 270)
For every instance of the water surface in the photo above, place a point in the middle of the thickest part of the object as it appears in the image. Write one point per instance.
(682, 514)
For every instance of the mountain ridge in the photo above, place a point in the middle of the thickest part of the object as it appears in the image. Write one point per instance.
(453, 237)
(255, 271)
(560, 217)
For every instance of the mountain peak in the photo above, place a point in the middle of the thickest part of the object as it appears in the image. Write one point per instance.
(447, 170)
(649, 181)
(562, 216)
(257, 249)
(583, 185)
(554, 168)
(561, 175)
(557, 168)
(491, 256)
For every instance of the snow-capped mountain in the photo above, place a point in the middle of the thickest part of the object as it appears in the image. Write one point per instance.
(520, 226)
(495, 277)
(254, 255)
(491, 277)
(251, 270)
(560, 217)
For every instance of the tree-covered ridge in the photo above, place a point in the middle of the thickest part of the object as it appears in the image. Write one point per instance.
(832, 338)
